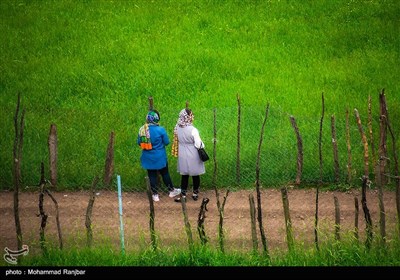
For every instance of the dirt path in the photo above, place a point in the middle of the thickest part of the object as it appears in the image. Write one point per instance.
(169, 223)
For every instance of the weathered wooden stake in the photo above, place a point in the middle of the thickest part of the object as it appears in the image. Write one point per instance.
(151, 103)
(187, 224)
(253, 223)
(221, 236)
(367, 215)
(153, 236)
(288, 221)
(17, 154)
(259, 210)
(397, 177)
(337, 218)
(320, 173)
(380, 180)
(371, 135)
(238, 143)
(42, 213)
(200, 221)
(382, 151)
(356, 213)
(60, 240)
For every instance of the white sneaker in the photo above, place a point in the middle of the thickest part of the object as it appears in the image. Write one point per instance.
(155, 197)
(175, 192)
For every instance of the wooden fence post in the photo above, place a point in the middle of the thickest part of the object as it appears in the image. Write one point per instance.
(356, 213)
(288, 221)
(337, 218)
(17, 154)
(367, 215)
(238, 143)
(153, 236)
(259, 210)
(320, 174)
(200, 221)
(253, 223)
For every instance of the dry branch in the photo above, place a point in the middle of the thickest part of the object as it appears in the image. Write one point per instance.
(200, 221)
(259, 210)
(367, 215)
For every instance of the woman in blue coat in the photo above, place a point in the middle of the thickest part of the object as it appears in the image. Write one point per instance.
(152, 139)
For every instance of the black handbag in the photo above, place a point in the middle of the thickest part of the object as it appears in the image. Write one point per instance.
(202, 153)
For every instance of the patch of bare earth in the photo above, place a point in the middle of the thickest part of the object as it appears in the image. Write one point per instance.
(169, 222)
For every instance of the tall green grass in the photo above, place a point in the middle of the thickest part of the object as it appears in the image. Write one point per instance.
(89, 67)
(333, 253)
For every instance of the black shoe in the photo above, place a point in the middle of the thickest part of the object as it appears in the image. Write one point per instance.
(178, 199)
(195, 196)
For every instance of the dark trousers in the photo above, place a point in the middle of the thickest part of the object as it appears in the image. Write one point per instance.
(185, 184)
(152, 173)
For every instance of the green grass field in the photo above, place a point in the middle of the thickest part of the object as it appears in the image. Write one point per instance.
(90, 66)
(347, 253)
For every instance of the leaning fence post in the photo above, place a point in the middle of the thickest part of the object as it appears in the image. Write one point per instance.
(337, 218)
(288, 221)
(152, 215)
(253, 223)
(121, 229)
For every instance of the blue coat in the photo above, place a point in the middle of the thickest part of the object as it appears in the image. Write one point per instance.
(156, 158)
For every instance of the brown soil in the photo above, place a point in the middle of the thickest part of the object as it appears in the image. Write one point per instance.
(169, 221)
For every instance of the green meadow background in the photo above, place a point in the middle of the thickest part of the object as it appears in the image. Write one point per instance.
(90, 66)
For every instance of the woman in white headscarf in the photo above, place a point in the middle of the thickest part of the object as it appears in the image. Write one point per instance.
(186, 142)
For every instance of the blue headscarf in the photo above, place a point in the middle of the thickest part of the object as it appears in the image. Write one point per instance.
(153, 117)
